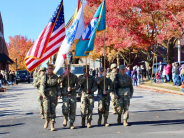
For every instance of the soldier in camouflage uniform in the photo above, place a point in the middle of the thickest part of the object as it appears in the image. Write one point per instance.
(112, 75)
(87, 99)
(68, 93)
(103, 96)
(124, 91)
(50, 90)
(36, 83)
(35, 73)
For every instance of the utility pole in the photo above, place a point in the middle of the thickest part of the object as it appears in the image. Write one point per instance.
(16, 64)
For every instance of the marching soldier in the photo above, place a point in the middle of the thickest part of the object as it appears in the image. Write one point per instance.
(35, 73)
(124, 91)
(36, 84)
(88, 87)
(69, 96)
(49, 88)
(103, 97)
(112, 75)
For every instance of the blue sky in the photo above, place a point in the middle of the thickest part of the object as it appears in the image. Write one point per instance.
(29, 17)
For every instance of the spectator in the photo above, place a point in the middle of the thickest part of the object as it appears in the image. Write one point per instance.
(160, 68)
(138, 75)
(6, 77)
(11, 78)
(128, 71)
(1, 79)
(97, 71)
(134, 76)
(173, 72)
(177, 77)
(93, 72)
(143, 72)
(182, 73)
(167, 72)
(158, 77)
(182, 86)
(149, 72)
(163, 74)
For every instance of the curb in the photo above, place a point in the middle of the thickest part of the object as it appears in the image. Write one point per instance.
(161, 90)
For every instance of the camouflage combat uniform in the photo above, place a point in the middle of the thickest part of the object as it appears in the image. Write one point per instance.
(69, 98)
(103, 100)
(111, 75)
(36, 83)
(49, 86)
(124, 92)
(87, 99)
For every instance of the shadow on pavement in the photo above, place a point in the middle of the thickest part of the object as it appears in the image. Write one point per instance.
(11, 125)
(157, 110)
(4, 133)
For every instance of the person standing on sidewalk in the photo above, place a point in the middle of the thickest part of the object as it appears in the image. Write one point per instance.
(50, 90)
(167, 72)
(88, 86)
(160, 69)
(134, 76)
(149, 72)
(111, 76)
(69, 83)
(138, 75)
(182, 73)
(1, 79)
(123, 85)
(177, 73)
(173, 73)
(103, 96)
(11, 78)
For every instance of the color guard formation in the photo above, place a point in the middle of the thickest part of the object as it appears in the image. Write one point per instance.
(115, 86)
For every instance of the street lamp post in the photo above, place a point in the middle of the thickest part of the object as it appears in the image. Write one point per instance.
(15, 64)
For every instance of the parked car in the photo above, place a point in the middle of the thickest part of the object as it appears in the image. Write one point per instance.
(155, 67)
(77, 70)
(22, 76)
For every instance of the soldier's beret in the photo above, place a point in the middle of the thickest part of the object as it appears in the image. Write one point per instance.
(43, 69)
(122, 66)
(84, 67)
(101, 69)
(114, 65)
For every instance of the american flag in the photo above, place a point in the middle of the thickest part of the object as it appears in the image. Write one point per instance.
(49, 41)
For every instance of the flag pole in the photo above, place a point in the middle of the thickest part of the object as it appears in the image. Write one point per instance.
(86, 72)
(104, 59)
(67, 70)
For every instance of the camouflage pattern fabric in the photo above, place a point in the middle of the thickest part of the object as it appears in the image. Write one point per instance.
(112, 76)
(69, 98)
(49, 86)
(103, 100)
(87, 100)
(125, 91)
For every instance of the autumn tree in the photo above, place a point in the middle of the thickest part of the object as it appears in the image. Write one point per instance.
(18, 47)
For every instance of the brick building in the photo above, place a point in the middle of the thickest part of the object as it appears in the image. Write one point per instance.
(4, 59)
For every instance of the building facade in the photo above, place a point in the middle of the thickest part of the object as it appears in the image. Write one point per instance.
(3, 48)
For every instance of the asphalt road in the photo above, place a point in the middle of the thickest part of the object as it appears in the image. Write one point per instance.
(152, 114)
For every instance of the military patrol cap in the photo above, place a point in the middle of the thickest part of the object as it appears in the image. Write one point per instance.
(66, 66)
(122, 66)
(114, 65)
(101, 69)
(43, 69)
(50, 65)
(84, 67)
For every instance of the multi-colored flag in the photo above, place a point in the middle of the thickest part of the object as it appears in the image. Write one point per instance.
(73, 33)
(86, 42)
(80, 2)
(49, 41)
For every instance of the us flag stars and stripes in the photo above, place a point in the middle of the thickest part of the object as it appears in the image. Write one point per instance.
(49, 41)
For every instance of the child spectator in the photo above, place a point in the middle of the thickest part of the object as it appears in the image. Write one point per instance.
(158, 77)
(182, 86)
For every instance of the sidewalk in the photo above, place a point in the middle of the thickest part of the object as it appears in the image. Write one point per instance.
(162, 87)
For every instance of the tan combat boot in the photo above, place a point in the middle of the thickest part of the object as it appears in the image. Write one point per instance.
(83, 122)
(52, 127)
(71, 126)
(125, 122)
(46, 123)
(100, 120)
(114, 110)
(42, 116)
(89, 124)
(119, 119)
(65, 122)
(105, 122)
